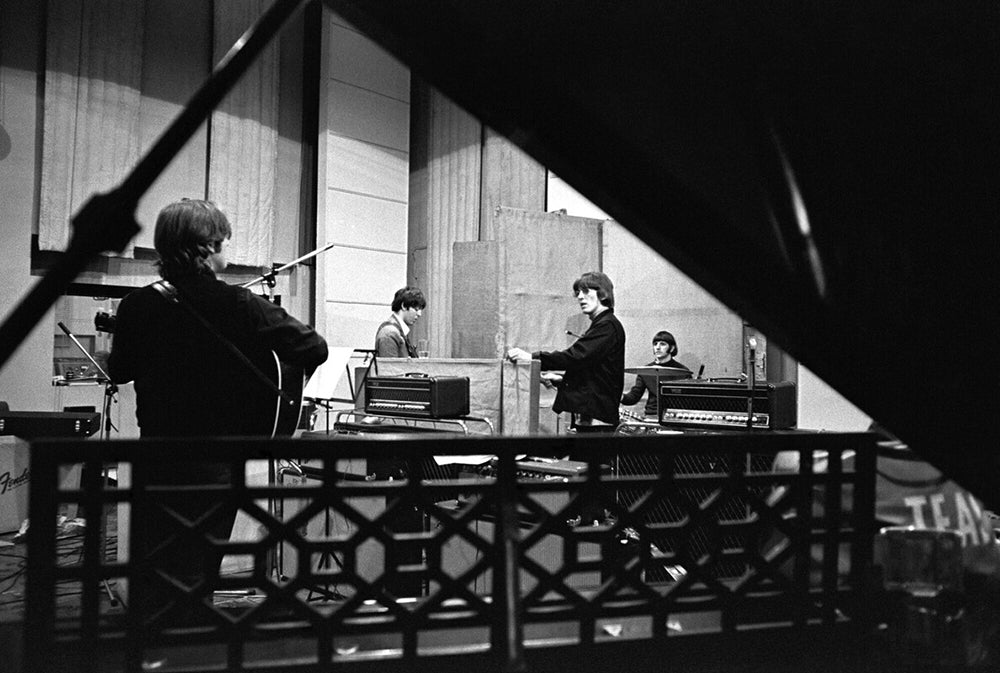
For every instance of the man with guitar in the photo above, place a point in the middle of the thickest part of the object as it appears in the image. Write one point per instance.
(202, 355)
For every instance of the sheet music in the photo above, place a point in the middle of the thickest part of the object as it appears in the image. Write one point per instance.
(322, 384)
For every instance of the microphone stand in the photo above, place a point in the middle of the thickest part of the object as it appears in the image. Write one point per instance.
(110, 390)
(751, 381)
(110, 387)
(269, 277)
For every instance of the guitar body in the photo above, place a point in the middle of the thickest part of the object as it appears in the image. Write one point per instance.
(292, 381)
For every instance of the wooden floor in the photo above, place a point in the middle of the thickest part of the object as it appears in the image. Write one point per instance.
(13, 585)
(14, 565)
(13, 568)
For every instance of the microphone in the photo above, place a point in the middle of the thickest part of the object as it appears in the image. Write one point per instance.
(574, 334)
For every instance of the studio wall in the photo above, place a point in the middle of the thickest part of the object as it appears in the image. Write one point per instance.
(363, 187)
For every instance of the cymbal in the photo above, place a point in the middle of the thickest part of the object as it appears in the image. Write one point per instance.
(661, 372)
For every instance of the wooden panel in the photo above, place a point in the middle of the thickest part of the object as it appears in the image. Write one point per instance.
(354, 59)
(365, 115)
(541, 254)
(510, 178)
(445, 208)
(520, 392)
(475, 320)
(357, 275)
(352, 325)
(365, 221)
(360, 167)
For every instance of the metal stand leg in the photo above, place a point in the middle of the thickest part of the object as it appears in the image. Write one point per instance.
(110, 390)
(325, 561)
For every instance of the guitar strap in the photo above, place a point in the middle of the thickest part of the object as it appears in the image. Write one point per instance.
(173, 295)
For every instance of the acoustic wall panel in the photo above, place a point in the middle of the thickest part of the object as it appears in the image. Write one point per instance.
(352, 325)
(446, 184)
(532, 266)
(358, 275)
(369, 116)
(354, 59)
(356, 220)
(511, 178)
(364, 184)
(541, 255)
(475, 305)
(360, 167)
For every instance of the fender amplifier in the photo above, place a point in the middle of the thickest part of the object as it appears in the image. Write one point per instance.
(696, 403)
(418, 395)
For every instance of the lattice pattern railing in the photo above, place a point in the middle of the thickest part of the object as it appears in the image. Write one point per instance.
(693, 534)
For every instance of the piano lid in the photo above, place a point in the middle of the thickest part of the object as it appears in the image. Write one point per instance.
(830, 171)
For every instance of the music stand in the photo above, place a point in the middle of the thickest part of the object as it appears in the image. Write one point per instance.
(322, 385)
(321, 390)
(110, 391)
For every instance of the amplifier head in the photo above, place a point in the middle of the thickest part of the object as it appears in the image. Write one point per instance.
(422, 396)
(717, 404)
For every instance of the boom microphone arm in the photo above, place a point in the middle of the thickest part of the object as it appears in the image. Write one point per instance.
(269, 277)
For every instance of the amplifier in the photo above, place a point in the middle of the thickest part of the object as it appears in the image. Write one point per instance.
(535, 468)
(418, 395)
(32, 424)
(717, 404)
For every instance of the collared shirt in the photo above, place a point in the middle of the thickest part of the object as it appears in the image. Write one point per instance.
(403, 327)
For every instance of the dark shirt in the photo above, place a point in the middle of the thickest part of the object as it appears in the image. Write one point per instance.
(595, 370)
(648, 383)
(187, 382)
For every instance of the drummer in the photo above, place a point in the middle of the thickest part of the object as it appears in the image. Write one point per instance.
(664, 350)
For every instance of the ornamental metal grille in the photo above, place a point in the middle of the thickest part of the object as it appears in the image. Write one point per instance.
(486, 563)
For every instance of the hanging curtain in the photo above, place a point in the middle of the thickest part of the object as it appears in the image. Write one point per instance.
(244, 139)
(92, 122)
(91, 108)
